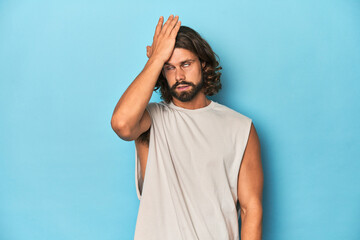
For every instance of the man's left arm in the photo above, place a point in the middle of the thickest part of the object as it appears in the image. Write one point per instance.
(250, 187)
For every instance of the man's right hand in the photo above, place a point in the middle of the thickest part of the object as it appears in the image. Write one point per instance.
(164, 39)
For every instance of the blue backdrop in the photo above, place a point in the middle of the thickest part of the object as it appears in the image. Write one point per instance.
(291, 66)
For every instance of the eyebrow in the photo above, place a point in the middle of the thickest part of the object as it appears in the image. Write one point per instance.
(187, 60)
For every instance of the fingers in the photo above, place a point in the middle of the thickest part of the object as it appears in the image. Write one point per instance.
(158, 27)
(163, 30)
(172, 24)
(169, 25)
(175, 29)
(166, 29)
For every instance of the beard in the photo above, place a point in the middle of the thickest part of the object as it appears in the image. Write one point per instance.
(187, 95)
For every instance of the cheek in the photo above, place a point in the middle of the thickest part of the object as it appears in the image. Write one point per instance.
(168, 74)
(170, 79)
(195, 73)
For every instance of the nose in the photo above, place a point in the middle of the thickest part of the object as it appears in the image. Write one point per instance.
(179, 75)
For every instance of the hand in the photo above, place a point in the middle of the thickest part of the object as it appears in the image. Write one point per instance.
(164, 39)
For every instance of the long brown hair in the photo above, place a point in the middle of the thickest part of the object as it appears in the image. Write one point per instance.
(191, 40)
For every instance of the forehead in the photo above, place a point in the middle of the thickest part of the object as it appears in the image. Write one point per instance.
(179, 55)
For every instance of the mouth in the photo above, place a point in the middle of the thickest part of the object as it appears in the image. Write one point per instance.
(183, 87)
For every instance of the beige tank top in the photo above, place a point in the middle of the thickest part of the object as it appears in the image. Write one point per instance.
(190, 185)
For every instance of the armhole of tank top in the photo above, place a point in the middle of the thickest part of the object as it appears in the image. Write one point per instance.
(248, 128)
(148, 108)
(138, 177)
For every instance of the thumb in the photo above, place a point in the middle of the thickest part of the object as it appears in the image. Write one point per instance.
(147, 51)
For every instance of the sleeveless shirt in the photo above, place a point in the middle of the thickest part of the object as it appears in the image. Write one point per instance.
(190, 186)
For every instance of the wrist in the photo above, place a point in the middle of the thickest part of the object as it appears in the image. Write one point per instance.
(155, 62)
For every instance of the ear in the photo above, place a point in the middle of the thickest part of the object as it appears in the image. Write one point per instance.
(203, 64)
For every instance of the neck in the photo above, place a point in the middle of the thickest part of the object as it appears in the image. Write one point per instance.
(197, 102)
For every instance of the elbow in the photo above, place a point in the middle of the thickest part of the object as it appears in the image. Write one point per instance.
(121, 129)
(254, 207)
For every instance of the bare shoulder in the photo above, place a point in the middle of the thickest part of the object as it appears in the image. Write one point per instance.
(250, 179)
(253, 144)
(252, 155)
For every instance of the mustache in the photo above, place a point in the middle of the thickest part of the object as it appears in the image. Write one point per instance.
(182, 83)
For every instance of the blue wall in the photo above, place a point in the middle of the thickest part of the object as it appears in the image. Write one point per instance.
(292, 66)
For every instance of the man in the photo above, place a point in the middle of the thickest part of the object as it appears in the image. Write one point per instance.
(202, 159)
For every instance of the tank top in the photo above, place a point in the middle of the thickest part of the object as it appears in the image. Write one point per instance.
(190, 186)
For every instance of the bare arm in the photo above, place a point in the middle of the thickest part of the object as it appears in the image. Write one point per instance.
(250, 187)
(129, 118)
(130, 108)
